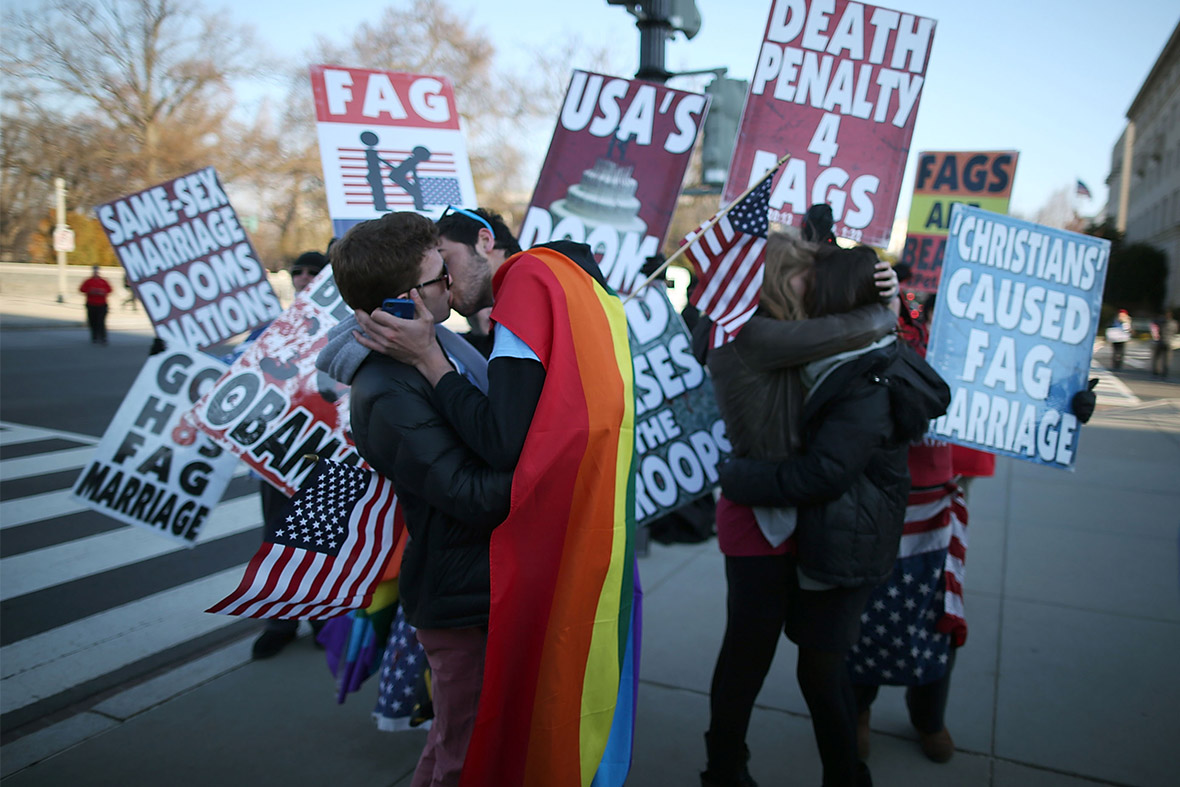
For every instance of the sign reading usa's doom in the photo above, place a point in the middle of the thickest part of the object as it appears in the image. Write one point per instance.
(837, 87)
(979, 179)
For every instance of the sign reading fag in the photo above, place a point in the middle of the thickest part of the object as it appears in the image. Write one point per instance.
(189, 261)
(388, 142)
(679, 435)
(273, 408)
(979, 179)
(150, 469)
(614, 170)
(836, 86)
(1013, 332)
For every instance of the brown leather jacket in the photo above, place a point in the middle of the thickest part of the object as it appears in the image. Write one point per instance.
(756, 377)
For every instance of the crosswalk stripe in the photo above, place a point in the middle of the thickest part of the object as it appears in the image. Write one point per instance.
(57, 660)
(36, 508)
(27, 466)
(32, 571)
(13, 434)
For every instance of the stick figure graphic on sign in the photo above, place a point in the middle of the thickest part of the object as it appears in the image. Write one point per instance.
(403, 175)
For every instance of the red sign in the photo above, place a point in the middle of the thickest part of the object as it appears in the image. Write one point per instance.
(614, 170)
(837, 87)
(383, 98)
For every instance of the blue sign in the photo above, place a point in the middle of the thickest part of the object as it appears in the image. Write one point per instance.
(1013, 332)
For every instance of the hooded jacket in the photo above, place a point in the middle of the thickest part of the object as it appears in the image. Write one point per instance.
(850, 480)
(450, 499)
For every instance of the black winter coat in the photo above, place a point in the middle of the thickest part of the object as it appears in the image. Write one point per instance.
(451, 499)
(850, 481)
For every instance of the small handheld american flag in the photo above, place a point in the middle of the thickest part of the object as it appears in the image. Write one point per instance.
(325, 553)
(729, 259)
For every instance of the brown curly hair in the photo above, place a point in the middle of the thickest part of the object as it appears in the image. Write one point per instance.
(381, 258)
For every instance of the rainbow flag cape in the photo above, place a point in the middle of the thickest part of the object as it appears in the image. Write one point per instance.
(558, 703)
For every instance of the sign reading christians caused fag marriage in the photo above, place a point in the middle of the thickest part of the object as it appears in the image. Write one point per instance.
(614, 170)
(273, 408)
(679, 434)
(388, 142)
(189, 261)
(981, 180)
(151, 469)
(836, 86)
(1013, 332)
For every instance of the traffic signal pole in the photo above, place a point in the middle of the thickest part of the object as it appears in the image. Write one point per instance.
(655, 28)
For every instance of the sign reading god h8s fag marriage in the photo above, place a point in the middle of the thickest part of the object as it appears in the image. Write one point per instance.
(1013, 332)
(189, 261)
(614, 169)
(152, 469)
(981, 180)
(388, 142)
(836, 86)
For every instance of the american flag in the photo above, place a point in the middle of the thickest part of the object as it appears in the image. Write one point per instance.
(911, 621)
(403, 697)
(1083, 189)
(325, 554)
(728, 257)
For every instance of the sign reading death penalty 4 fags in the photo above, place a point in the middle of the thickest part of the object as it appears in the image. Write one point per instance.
(388, 142)
(836, 86)
(189, 261)
(1013, 332)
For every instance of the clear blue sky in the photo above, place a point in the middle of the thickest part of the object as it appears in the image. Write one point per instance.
(1050, 78)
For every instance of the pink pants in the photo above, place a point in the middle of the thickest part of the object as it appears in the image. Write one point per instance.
(456, 666)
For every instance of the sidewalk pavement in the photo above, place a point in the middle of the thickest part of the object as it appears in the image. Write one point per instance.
(1068, 676)
(24, 312)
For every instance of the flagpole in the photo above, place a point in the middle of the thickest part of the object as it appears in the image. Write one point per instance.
(659, 271)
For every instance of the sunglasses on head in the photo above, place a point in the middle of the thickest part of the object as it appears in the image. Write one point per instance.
(469, 214)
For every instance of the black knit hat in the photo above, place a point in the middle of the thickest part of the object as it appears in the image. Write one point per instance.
(310, 259)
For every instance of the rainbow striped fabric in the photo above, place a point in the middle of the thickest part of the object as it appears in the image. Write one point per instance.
(558, 703)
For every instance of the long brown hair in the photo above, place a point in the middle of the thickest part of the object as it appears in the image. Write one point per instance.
(843, 280)
(786, 257)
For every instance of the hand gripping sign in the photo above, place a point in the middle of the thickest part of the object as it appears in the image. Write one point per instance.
(388, 142)
(189, 261)
(1013, 332)
(836, 86)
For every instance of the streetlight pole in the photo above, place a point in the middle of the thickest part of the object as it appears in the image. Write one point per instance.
(60, 188)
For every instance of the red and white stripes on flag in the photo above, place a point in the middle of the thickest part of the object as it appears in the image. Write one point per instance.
(337, 561)
(728, 257)
(936, 519)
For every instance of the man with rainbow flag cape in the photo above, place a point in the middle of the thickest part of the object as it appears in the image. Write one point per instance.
(561, 670)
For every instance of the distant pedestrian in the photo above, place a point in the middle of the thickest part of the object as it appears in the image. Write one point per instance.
(96, 289)
(1118, 334)
(1163, 330)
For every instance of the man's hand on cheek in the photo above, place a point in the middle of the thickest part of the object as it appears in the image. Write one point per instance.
(408, 341)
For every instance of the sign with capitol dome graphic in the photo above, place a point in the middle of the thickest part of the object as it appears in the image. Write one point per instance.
(614, 170)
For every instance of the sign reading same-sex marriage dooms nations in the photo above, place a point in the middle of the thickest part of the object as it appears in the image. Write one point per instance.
(1013, 332)
(151, 469)
(388, 142)
(979, 179)
(273, 408)
(614, 170)
(679, 434)
(836, 86)
(189, 261)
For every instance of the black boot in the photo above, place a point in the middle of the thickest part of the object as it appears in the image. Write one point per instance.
(727, 764)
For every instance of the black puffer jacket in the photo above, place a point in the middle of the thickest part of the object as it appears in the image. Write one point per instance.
(451, 499)
(851, 480)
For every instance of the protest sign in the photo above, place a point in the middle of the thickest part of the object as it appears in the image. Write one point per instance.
(679, 434)
(1013, 332)
(614, 170)
(189, 260)
(388, 142)
(151, 469)
(273, 408)
(979, 179)
(836, 86)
